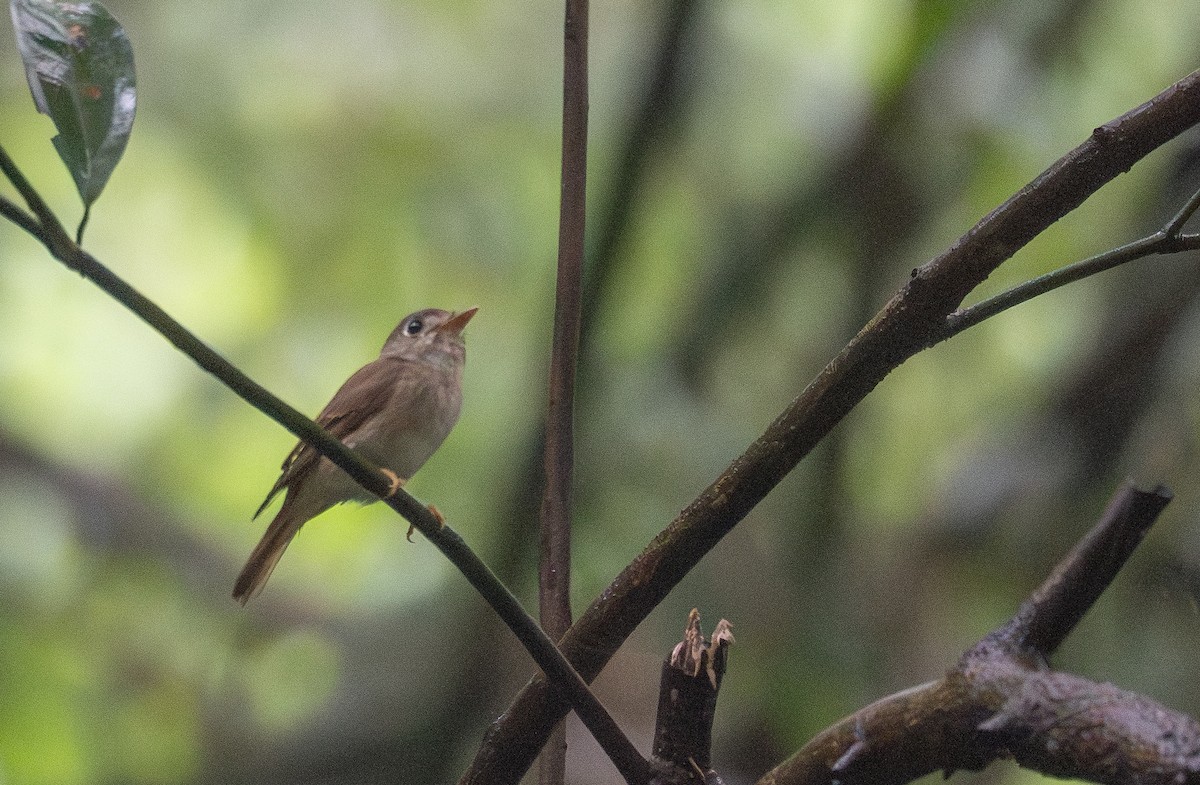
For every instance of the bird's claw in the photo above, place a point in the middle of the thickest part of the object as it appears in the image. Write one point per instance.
(437, 516)
(395, 482)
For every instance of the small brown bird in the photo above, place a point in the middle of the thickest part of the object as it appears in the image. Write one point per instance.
(395, 411)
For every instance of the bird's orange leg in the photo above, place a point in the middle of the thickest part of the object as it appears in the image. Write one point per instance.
(395, 480)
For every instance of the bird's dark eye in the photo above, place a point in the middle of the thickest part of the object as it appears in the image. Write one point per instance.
(413, 327)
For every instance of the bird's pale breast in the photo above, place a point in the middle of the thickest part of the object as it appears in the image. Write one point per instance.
(423, 407)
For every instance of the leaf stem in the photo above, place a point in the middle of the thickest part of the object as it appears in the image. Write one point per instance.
(83, 222)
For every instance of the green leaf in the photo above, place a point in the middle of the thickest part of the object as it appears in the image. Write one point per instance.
(80, 69)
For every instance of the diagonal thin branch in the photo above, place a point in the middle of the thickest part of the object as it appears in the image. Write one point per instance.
(52, 232)
(904, 327)
(22, 219)
(1051, 612)
(1174, 227)
(567, 681)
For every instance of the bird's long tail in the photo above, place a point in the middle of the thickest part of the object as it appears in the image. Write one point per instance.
(266, 554)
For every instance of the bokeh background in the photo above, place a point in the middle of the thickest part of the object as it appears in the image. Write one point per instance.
(303, 174)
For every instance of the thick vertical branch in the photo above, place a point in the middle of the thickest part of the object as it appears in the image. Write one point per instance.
(556, 501)
(555, 567)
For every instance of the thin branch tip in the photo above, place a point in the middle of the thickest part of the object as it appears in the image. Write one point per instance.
(1072, 588)
(1174, 227)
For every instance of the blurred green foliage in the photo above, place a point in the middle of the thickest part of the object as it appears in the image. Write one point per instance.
(303, 174)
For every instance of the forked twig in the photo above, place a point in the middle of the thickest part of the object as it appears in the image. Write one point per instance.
(1167, 240)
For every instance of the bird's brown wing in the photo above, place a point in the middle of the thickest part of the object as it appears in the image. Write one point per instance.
(363, 394)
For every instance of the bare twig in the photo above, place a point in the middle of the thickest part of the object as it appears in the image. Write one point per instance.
(51, 231)
(554, 573)
(566, 680)
(1050, 614)
(83, 222)
(1174, 227)
(22, 219)
(903, 328)
(1167, 240)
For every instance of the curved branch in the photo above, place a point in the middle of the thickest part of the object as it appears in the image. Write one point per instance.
(906, 325)
(1056, 723)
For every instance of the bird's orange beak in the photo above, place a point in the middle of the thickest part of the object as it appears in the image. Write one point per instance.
(455, 324)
